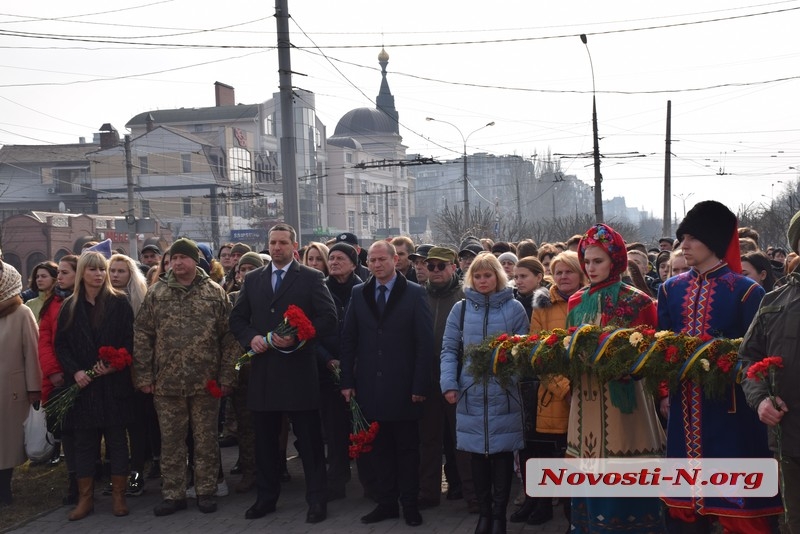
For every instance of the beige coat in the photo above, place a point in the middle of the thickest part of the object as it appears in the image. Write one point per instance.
(19, 374)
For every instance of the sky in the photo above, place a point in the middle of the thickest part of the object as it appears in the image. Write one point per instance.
(731, 70)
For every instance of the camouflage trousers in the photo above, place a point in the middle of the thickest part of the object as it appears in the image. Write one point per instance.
(175, 416)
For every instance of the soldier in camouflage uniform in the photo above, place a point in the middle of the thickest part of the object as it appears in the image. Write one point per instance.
(181, 342)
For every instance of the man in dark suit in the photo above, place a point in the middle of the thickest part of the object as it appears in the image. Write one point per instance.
(284, 375)
(387, 347)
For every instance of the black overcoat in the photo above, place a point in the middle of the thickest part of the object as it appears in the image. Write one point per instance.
(278, 381)
(106, 401)
(387, 359)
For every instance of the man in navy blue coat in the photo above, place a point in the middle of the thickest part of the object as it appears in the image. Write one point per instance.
(387, 346)
(284, 375)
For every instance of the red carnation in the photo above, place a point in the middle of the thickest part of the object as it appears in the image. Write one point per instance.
(671, 354)
(502, 337)
(724, 364)
(551, 340)
(214, 389)
(117, 358)
(649, 332)
(760, 370)
(572, 329)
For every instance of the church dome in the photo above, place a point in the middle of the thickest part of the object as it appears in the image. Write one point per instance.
(364, 122)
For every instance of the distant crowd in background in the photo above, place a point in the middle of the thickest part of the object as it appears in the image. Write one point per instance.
(392, 326)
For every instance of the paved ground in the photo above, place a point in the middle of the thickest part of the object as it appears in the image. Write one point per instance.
(343, 515)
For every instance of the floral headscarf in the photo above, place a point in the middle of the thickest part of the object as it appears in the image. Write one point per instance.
(605, 237)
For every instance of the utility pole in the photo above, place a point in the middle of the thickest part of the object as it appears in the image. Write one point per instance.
(598, 177)
(466, 189)
(291, 204)
(386, 208)
(666, 227)
(133, 244)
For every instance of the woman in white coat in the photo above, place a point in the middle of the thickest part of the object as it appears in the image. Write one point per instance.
(21, 379)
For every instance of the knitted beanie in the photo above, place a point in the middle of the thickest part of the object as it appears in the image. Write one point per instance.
(347, 249)
(251, 258)
(206, 257)
(187, 247)
(10, 282)
(508, 256)
(240, 248)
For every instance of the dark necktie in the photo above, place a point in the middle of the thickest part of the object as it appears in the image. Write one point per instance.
(381, 299)
(278, 279)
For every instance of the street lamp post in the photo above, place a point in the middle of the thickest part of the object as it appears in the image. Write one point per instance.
(466, 179)
(683, 197)
(598, 178)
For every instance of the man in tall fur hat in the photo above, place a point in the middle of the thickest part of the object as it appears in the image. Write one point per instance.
(712, 299)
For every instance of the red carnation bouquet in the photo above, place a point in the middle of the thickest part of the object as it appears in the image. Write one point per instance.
(59, 405)
(765, 370)
(295, 323)
(363, 433)
(213, 388)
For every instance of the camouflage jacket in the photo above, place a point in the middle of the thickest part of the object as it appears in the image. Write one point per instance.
(182, 338)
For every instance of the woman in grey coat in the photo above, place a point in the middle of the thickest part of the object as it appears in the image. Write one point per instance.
(488, 416)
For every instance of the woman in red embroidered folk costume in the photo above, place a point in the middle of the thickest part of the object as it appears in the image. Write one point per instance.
(616, 418)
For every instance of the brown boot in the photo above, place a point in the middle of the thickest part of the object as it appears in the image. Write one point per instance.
(85, 499)
(119, 483)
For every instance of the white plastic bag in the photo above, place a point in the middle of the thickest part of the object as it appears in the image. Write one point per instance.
(39, 443)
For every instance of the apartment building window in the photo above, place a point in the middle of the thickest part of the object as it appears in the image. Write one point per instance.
(145, 209)
(350, 186)
(143, 165)
(187, 205)
(348, 157)
(351, 221)
(186, 163)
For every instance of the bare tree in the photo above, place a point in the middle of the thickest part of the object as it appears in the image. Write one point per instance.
(448, 226)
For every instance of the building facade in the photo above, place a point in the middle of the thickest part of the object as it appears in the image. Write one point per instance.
(370, 191)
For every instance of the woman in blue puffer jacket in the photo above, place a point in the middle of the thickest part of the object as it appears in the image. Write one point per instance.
(488, 416)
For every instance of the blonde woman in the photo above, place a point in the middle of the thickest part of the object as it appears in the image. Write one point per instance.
(488, 415)
(94, 316)
(126, 277)
(316, 257)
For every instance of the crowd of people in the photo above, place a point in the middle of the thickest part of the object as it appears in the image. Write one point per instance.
(392, 326)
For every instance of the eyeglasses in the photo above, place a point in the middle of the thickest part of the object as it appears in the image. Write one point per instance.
(437, 267)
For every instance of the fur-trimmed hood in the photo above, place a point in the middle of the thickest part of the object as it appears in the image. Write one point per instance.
(542, 298)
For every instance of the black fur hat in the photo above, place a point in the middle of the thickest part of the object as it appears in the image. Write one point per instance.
(712, 223)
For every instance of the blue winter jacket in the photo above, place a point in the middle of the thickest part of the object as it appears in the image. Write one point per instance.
(488, 417)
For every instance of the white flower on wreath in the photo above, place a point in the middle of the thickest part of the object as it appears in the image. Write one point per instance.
(662, 333)
(706, 364)
(636, 338)
(566, 341)
(515, 351)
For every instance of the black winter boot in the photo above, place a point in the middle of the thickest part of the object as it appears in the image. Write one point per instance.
(543, 512)
(523, 512)
(502, 476)
(482, 479)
